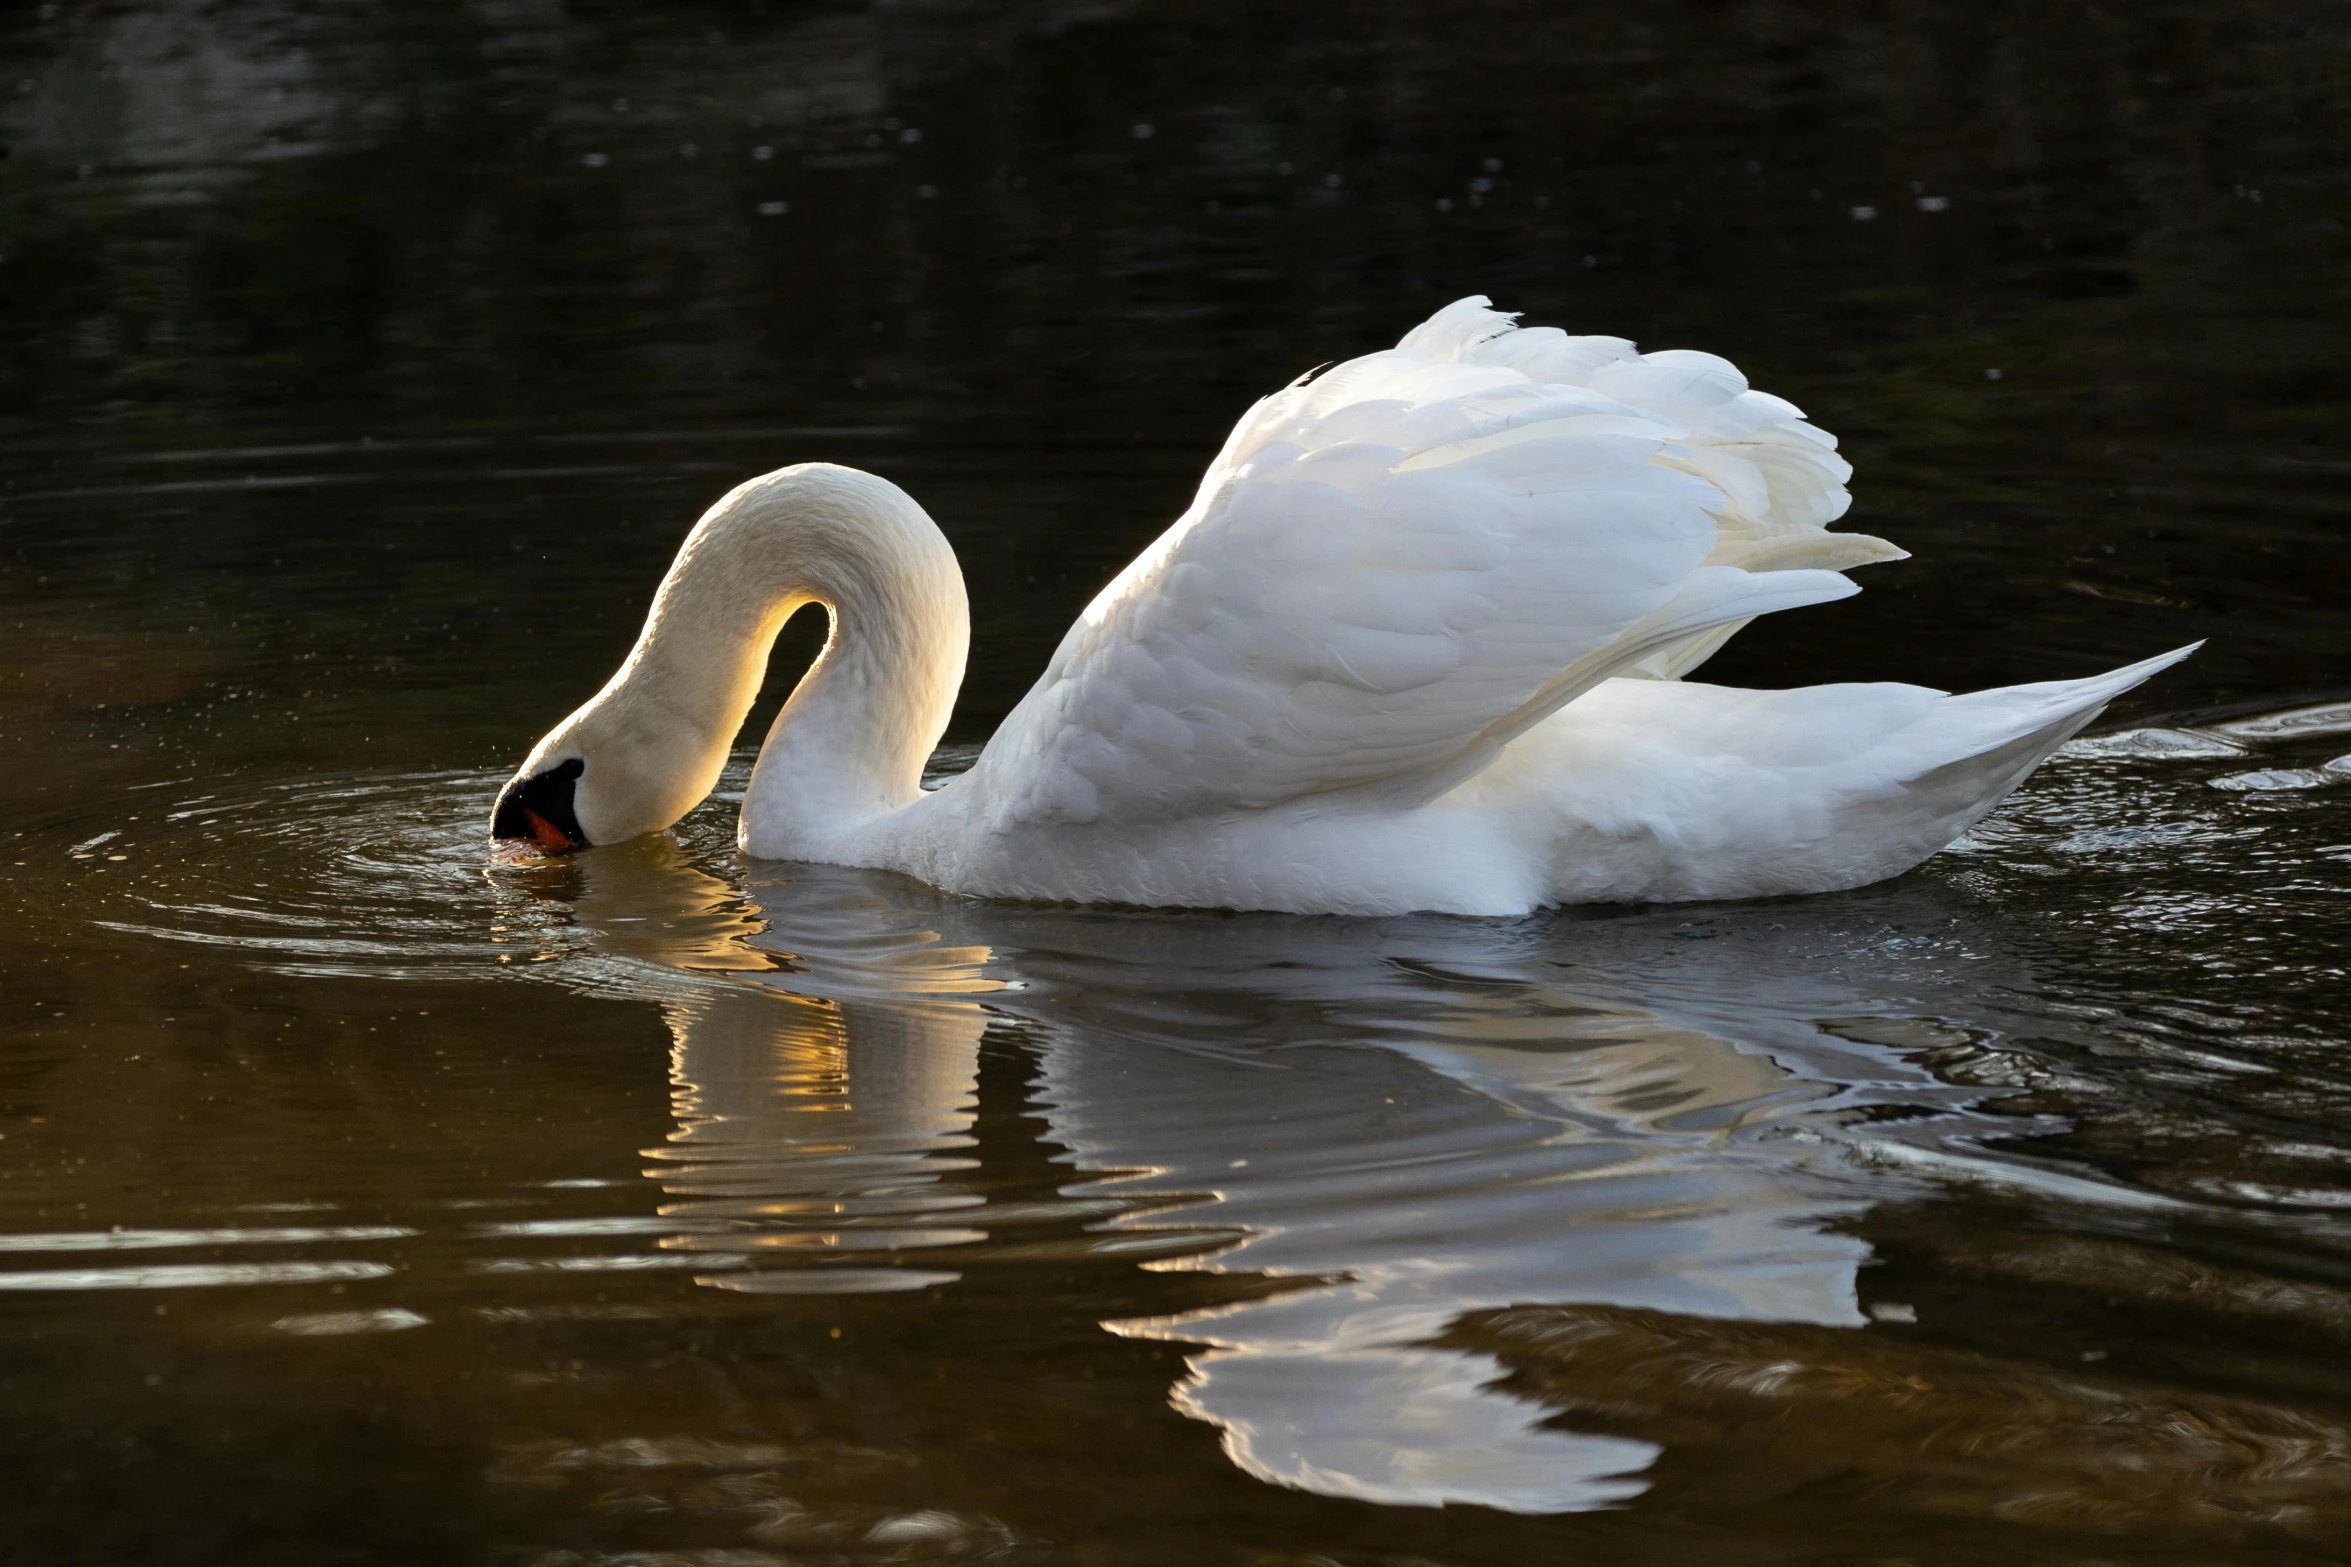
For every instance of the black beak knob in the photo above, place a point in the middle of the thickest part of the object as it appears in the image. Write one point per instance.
(540, 809)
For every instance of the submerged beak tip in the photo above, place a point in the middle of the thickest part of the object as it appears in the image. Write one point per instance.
(550, 838)
(538, 812)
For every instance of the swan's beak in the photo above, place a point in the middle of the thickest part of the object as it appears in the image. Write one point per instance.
(540, 809)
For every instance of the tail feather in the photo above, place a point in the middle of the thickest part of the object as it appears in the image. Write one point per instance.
(1965, 756)
(1984, 722)
(1670, 790)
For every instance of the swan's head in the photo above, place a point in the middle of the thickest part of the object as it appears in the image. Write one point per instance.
(616, 769)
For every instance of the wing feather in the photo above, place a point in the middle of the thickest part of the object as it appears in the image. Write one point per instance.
(1394, 568)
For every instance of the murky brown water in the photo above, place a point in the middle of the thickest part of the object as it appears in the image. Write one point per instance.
(361, 1203)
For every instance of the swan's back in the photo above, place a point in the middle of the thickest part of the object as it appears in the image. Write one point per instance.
(1395, 568)
(1417, 643)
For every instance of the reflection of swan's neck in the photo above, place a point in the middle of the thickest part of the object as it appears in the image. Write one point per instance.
(853, 738)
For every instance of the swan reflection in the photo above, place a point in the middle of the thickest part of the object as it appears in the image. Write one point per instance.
(813, 1124)
(1414, 1120)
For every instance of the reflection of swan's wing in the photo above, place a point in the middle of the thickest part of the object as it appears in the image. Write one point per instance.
(1578, 1142)
(1392, 570)
(1415, 1426)
(1605, 1170)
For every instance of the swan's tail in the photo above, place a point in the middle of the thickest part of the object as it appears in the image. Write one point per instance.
(1970, 752)
(1984, 725)
(1683, 790)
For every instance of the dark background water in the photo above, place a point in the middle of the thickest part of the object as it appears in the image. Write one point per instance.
(444, 284)
(361, 365)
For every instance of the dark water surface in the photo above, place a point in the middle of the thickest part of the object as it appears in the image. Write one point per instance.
(360, 366)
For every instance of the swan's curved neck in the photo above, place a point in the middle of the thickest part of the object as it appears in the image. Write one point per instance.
(852, 740)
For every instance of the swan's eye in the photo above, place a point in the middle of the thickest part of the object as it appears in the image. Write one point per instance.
(540, 808)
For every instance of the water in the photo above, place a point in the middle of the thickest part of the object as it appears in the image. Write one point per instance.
(361, 1201)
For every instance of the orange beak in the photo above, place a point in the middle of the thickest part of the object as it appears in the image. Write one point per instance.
(550, 837)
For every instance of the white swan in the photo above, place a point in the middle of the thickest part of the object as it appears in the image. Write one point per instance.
(1416, 645)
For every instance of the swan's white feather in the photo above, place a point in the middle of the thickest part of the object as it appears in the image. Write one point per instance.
(1638, 791)
(1415, 645)
(1394, 568)
(1651, 790)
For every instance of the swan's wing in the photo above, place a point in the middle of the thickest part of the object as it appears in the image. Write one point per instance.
(1392, 570)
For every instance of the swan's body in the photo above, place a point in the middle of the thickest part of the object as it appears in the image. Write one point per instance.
(1416, 645)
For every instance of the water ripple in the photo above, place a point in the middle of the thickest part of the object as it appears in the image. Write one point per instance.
(1445, 1157)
